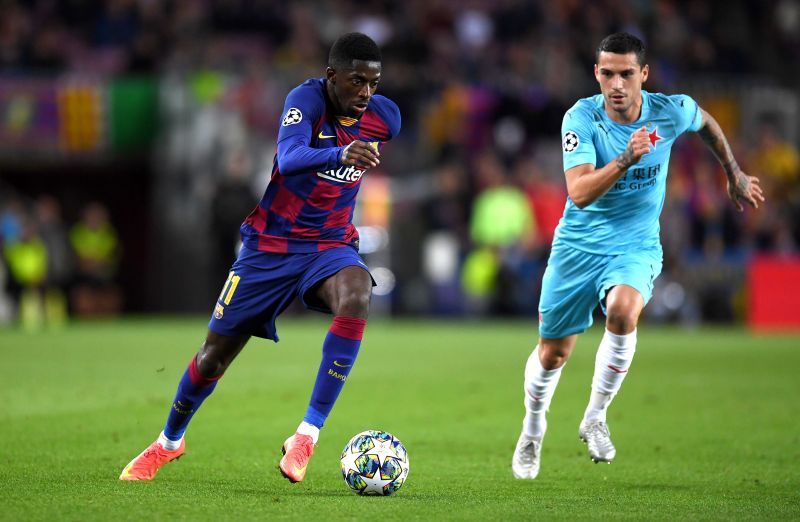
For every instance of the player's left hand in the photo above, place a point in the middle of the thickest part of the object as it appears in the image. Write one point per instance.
(361, 154)
(744, 188)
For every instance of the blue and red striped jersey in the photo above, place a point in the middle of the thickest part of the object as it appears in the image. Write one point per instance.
(309, 202)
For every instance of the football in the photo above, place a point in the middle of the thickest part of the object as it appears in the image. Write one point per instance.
(374, 463)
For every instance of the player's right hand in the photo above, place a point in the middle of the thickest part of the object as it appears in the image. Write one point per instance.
(640, 143)
(360, 154)
(638, 146)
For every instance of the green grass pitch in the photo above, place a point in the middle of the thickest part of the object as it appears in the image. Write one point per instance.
(707, 425)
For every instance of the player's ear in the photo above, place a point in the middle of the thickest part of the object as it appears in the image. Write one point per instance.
(596, 73)
(330, 73)
(645, 72)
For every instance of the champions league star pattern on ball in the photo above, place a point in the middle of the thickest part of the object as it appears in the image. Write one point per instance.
(310, 208)
(374, 463)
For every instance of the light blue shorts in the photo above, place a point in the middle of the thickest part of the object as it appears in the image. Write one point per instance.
(576, 281)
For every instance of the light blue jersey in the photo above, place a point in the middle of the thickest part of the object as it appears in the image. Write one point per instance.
(627, 215)
(615, 240)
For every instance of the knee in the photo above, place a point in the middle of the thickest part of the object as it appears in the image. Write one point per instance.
(621, 320)
(209, 361)
(553, 357)
(354, 303)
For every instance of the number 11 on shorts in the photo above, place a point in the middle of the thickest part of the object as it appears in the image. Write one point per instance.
(229, 288)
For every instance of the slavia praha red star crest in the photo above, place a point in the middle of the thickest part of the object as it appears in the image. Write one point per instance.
(654, 137)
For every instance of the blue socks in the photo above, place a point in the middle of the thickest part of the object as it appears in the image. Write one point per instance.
(338, 355)
(192, 391)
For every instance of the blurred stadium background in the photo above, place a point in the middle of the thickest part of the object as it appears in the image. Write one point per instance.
(135, 135)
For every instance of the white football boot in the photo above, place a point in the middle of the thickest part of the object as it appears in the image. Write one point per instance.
(598, 440)
(527, 457)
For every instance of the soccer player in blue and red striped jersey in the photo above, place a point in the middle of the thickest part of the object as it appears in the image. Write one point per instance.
(299, 241)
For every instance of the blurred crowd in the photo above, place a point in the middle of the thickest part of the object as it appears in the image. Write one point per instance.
(535, 47)
(52, 268)
(477, 184)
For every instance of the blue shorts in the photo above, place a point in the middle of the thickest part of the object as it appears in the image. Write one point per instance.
(261, 285)
(576, 281)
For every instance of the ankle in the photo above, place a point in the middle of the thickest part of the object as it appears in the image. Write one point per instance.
(167, 444)
(312, 431)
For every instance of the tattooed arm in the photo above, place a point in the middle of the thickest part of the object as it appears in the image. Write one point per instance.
(585, 184)
(741, 187)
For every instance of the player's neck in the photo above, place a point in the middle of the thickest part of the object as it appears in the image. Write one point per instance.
(633, 113)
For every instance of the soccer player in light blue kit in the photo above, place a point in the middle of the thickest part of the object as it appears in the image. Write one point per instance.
(606, 248)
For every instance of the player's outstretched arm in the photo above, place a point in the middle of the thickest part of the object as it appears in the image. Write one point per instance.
(586, 184)
(295, 156)
(741, 187)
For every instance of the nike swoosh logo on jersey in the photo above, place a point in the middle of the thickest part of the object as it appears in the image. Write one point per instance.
(336, 363)
(323, 137)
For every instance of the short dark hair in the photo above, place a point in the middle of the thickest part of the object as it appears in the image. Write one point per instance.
(622, 43)
(353, 46)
